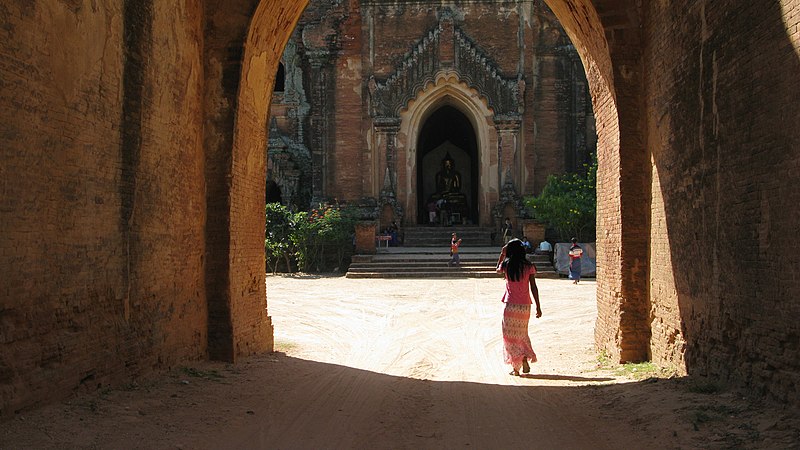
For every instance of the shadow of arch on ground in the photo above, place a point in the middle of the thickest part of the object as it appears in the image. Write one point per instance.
(277, 401)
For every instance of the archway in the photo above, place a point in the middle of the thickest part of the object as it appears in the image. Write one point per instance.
(623, 187)
(448, 133)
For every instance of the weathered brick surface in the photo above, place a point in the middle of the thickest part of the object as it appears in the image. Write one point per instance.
(131, 216)
(348, 165)
(723, 118)
(343, 44)
(102, 205)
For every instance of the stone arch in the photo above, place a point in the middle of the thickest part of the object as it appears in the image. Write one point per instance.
(448, 89)
(613, 67)
(238, 323)
(622, 328)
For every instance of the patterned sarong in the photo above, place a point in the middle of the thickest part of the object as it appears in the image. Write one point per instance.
(516, 342)
(575, 270)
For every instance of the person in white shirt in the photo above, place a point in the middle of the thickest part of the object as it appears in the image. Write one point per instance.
(545, 247)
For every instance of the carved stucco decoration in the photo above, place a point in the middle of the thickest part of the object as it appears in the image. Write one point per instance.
(509, 196)
(421, 66)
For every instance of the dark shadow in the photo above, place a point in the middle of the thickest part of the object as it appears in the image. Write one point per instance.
(280, 79)
(447, 128)
(562, 377)
(726, 156)
(277, 401)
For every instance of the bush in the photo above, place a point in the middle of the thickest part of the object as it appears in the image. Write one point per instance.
(277, 236)
(319, 240)
(568, 204)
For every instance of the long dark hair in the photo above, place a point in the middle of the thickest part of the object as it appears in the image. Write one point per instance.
(515, 262)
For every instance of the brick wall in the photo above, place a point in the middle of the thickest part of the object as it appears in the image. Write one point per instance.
(102, 205)
(723, 114)
(118, 259)
(347, 164)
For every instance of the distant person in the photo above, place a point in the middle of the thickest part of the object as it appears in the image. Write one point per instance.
(444, 212)
(432, 212)
(455, 242)
(520, 276)
(545, 247)
(575, 254)
(394, 229)
(526, 244)
(507, 230)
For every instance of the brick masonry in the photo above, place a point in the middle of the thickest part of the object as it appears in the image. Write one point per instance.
(725, 152)
(131, 235)
(341, 45)
(102, 208)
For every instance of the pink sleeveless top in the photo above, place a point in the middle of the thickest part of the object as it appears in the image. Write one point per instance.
(519, 292)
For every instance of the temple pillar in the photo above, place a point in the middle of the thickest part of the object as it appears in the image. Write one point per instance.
(510, 164)
(320, 138)
(386, 129)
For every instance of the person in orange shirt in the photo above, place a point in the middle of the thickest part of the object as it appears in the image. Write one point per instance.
(455, 242)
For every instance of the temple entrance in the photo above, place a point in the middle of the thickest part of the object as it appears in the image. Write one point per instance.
(447, 168)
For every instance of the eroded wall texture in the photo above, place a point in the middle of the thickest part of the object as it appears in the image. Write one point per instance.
(113, 113)
(102, 208)
(724, 87)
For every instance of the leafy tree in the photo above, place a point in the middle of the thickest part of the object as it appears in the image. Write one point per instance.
(305, 241)
(568, 204)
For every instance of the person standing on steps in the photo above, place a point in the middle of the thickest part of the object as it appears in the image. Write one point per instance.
(520, 276)
(508, 230)
(575, 254)
(455, 242)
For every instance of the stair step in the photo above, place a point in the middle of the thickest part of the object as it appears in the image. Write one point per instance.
(440, 236)
(425, 262)
(451, 274)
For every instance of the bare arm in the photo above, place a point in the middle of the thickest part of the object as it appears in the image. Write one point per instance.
(501, 259)
(535, 292)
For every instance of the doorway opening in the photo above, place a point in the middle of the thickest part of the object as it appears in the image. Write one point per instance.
(447, 166)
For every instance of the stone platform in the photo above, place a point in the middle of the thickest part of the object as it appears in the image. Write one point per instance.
(430, 262)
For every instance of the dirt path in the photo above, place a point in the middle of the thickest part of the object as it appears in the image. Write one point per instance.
(409, 364)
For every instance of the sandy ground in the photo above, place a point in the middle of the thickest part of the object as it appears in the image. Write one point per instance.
(410, 364)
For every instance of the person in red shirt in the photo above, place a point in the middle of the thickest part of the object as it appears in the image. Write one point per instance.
(520, 276)
(455, 242)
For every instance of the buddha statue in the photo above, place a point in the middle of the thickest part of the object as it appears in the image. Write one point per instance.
(448, 179)
(448, 189)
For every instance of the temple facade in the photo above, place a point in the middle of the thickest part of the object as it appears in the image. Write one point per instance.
(398, 106)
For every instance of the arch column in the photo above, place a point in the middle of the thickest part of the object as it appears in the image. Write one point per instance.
(321, 135)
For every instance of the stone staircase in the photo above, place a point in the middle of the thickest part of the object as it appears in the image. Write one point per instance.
(471, 236)
(428, 262)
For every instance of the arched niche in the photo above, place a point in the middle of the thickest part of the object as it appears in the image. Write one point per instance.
(447, 134)
(448, 90)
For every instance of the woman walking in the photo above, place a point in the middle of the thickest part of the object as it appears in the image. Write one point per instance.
(520, 275)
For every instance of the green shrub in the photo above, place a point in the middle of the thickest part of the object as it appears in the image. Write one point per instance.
(277, 236)
(318, 240)
(568, 204)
